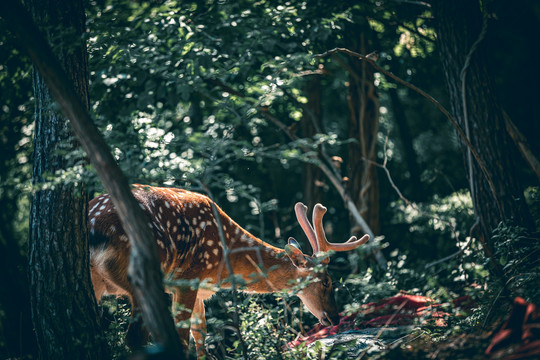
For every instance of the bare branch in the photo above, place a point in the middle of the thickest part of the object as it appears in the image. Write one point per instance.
(457, 253)
(427, 96)
(336, 181)
(522, 144)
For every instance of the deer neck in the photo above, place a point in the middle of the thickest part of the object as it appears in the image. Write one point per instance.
(265, 268)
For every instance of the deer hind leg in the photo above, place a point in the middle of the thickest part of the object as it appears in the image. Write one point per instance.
(184, 299)
(198, 327)
(136, 335)
(109, 276)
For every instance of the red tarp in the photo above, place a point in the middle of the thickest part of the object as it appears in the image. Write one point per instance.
(523, 328)
(394, 311)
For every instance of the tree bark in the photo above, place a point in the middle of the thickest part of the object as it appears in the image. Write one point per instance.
(459, 25)
(363, 126)
(64, 310)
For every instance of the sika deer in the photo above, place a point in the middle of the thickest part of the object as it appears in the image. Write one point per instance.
(190, 247)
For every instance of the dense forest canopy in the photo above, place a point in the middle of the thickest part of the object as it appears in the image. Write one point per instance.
(264, 104)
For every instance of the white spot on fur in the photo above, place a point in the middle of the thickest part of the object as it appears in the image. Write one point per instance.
(98, 256)
(215, 251)
(94, 207)
(209, 242)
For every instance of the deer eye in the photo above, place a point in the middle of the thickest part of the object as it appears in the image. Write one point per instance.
(326, 283)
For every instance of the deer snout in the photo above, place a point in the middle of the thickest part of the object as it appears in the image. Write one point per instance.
(329, 319)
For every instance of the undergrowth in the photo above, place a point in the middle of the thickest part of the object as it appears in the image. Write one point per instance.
(475, 299)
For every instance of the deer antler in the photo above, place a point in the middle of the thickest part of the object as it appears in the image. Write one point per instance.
(323, 244)
(300, 210)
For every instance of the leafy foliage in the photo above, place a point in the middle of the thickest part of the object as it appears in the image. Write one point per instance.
(185, 94)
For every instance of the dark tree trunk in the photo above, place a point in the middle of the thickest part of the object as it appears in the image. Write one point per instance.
(16, 323)
(459, 24)
(407, 146)
(64, 309)
(363, 126)
(310, 125)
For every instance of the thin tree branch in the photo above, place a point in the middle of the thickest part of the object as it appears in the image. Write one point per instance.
(427, 96)
(336, 181)
(388, 322)
(522, 144)
(413, 205)
(225, 258)
(457, 253)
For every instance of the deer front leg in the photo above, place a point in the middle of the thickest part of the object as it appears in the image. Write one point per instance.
(198, 327)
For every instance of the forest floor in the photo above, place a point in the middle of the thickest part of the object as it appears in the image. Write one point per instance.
(410, 327)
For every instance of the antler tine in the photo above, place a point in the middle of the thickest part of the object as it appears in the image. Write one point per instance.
(318, 213)
(300, 210)
(324, 245)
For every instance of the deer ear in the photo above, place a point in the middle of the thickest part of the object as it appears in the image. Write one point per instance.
(297, 257)
(293, 242)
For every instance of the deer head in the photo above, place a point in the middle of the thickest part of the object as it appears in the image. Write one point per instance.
(318, 296)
